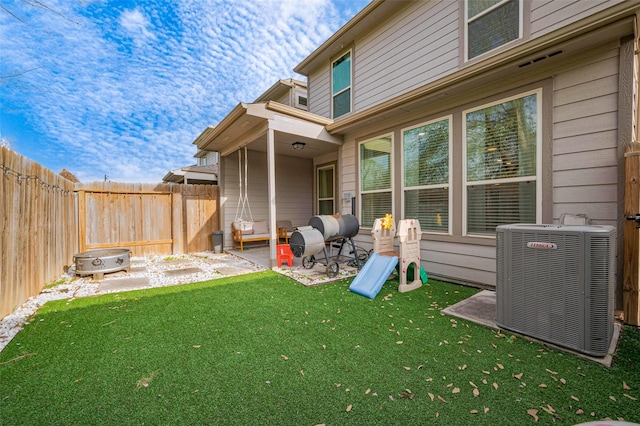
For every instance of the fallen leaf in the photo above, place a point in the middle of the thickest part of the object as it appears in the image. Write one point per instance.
(449, 385)
(474, 411)
(284, 357)
(407, 368)
(495, 385)
(518, 376)
(551, 408)
(367, 392)
(625, 386)
(486, 372)
(197, 346)
(406, 395)
(551, 372)
(472, 384)
(431, 396)
(500, 366)
(611, 397)
(324, 346)
(579, 411)
(455, 390)
(563, 381)
(441, 399)
(391, 398)
(399, 342)
(533, 413)
(302, 372)
(542, 385)
(575, 398)
(349, 407)
(486, 410)
(630, 397)
(476, 392)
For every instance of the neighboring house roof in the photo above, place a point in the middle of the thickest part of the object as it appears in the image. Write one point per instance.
(280, 88)
(194, 175)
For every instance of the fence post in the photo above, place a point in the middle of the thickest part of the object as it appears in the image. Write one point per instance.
(82, 221)
(631, 268)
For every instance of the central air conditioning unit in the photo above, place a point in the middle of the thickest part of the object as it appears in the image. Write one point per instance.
(556, 283)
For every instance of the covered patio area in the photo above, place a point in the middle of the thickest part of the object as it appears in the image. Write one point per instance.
(269, 157)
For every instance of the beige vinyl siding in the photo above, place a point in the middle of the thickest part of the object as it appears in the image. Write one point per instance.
(319, 92)
(415, 47)
(465, 263)
(585, 147)
(294, 189)
(549, 15)
(348, 175)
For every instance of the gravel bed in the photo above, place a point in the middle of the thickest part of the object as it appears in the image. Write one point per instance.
(71, 286)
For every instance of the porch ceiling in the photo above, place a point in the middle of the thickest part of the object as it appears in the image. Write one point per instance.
(248, 124)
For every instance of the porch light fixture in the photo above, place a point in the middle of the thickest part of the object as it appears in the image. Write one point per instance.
(298, 145)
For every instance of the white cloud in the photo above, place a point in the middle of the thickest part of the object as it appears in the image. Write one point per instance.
(124, 92)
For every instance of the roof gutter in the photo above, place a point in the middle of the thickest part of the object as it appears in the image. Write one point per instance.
(212, 132)
(625, 9)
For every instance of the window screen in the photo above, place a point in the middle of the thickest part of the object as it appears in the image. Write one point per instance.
(491, 24)
(375, 179)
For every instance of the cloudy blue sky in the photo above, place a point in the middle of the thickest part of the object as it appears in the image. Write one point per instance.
(122, 88)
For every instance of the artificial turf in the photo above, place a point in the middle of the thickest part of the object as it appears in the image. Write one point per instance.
(262, 349)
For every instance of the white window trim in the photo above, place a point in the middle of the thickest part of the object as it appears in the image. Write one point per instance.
(450, 191)
(495, 6)
(350, 87)
(538, 179)
(359, 170)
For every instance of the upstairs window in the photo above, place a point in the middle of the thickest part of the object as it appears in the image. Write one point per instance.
(341, 85)
(375, 179)
(427, 164)
(491, 24)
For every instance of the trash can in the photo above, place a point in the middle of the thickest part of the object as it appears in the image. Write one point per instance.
(217, 240)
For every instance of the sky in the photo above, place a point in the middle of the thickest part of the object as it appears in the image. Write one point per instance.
(119, 90)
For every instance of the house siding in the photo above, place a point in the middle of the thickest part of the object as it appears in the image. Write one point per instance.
(319, 89)
(417, 46)
(585, 144)
(549, 15)
(294, 201)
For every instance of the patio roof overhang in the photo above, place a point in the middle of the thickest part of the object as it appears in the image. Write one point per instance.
(249, 124)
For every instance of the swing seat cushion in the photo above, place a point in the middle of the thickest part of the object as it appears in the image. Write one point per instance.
(259, 232)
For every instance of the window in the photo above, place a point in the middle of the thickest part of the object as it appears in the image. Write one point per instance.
(502, 162)
(341, 85)
(426, 160)
(491, 24)
(326, 186)
(202, 161)
(375, 179)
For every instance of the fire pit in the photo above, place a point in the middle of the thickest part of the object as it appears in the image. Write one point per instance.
(99, 262)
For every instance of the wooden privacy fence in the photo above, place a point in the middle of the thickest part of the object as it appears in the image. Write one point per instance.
(147, 218)
(38, 232)
(46, 219)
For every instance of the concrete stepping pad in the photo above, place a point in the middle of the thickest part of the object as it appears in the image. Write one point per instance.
(182, 272)
(123, 284)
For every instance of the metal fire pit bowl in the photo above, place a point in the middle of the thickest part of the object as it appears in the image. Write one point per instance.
(100, 262)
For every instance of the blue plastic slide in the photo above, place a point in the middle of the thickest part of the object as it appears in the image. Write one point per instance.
(373, 274)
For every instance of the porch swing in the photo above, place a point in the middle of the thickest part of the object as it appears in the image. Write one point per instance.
(244, 228)
(243, 211)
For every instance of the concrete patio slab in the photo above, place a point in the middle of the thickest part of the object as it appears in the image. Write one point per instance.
(481, 309)
(229, 271)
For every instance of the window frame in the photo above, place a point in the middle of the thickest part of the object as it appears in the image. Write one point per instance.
(404, 188)
(391, 188)
(349, 87)
(468, 20)
(327, 166)
(539, 148)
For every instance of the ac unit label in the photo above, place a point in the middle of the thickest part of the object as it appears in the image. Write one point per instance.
(539, 245)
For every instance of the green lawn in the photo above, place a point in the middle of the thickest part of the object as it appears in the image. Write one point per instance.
(262, 349)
